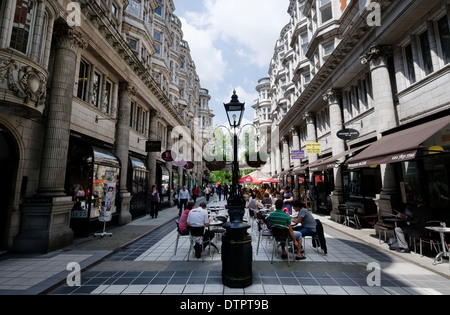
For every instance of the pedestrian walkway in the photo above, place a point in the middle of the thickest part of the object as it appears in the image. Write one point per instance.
(148, 265)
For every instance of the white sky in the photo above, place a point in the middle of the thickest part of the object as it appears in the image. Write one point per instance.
(232, 43)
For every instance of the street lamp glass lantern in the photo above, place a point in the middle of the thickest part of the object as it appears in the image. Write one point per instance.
(235, 111)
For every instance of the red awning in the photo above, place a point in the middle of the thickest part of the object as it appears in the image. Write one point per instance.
(249, 180)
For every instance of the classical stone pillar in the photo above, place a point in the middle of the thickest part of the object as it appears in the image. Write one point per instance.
(278, 163)
(169, 164)
(296, 144)
(297, 162)
(385, 116)
(126, 93)
(151, 156)
(286, 154)
(45, 222)
(333, 97)
(311, 137)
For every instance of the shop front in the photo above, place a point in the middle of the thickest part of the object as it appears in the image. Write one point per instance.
(163, 184)
(416, 164)
(92, 179)
(137, 185)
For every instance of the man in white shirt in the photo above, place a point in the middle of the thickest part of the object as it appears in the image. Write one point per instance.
(183, 198)
(197, 218)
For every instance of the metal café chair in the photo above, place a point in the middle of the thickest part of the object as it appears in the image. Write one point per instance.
(281, 235)
(263, 230)
(196, 235)
(177, 222)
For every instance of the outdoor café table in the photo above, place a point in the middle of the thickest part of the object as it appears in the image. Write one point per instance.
(214, 222)
(394, 220)
(441, 231)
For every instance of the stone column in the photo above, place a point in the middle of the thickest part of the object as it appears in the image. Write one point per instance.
(311, 134)
(45, 222)
(126, 92)
(333, 97)
(385, 117)
(296, 144)
(297, 162)
(286, 154)
(151, 156)
(385, 114)
(169, 164)
(278, 158)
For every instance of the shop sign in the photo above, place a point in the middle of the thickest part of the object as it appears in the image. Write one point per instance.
(167, 156)
(297, 155)
(153, 146)
(348, 134)
(79, 214)
(313, 148)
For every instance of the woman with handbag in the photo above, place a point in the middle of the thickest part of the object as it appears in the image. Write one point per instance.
(154, 202)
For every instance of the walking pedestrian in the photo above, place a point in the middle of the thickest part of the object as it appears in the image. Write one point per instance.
(207, 193)
(195, 193)
(183, 198)
(154, 202)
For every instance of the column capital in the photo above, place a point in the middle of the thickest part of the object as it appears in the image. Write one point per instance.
(294, 131)
(376, 53)
(125, 87)
(68, 37)
(332, 96)
(309, 117)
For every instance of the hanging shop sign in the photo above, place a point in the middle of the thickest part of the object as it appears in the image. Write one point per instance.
(153, 146)
(348, 134)
(168, 156)
(189, 165)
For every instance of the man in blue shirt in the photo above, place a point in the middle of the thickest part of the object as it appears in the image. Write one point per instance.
(308, 223)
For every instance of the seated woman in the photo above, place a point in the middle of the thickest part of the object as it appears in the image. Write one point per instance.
(183, 229)
(254, 203)
(267, 200)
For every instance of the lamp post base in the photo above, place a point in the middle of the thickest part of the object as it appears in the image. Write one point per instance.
(237, 252)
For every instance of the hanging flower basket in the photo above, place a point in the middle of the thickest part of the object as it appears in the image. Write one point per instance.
(261, 159)
(213, 163)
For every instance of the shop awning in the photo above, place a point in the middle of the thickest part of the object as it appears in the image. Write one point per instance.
(330, 162)
(137, 164)
(398, 147)
(105, 157)
(300, 170)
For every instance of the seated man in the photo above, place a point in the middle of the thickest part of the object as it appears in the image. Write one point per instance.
(279, 217)
(197, 218)
(417, 221)
(308, 223)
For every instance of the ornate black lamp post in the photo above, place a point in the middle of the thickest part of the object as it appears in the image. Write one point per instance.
(236, 244)
(236, 203)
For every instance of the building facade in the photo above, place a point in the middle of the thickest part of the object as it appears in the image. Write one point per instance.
(87, 87)
(379, 70)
